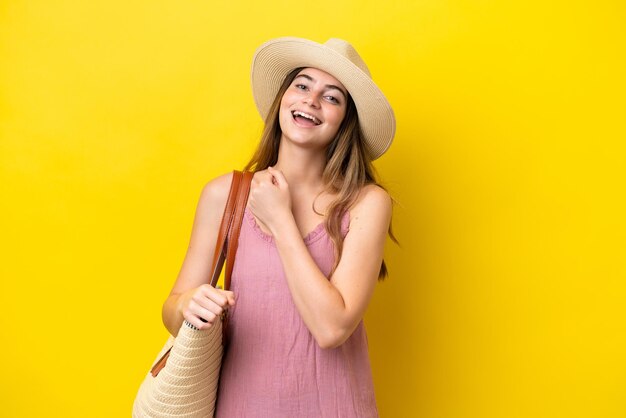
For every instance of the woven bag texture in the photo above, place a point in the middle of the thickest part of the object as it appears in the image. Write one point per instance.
(187, 386)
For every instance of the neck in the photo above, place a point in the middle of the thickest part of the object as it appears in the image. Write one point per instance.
(303, 168)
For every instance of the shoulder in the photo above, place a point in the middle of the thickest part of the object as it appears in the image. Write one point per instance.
(373, 205)
(215, 191)
(372, 197)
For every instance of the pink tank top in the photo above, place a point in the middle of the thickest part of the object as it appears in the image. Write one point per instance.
(272, 366)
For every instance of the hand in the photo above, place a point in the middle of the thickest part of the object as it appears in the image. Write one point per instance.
(270, 199)
(203, 305)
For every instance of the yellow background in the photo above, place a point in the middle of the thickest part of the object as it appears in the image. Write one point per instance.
(507, 296)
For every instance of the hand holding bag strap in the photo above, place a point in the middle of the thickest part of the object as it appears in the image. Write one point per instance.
(233, 216)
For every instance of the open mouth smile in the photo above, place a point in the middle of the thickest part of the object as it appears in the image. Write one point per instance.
(305, 118)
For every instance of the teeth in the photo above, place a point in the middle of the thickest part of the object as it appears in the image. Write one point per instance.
(306, 115)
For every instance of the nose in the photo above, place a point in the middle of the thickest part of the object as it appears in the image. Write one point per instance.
(312, 100)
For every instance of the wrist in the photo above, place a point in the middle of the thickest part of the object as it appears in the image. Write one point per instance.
(284, 228)
(179, 304)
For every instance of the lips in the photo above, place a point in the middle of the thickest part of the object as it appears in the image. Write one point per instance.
(305, 119)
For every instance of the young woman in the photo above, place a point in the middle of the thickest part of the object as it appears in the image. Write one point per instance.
(311, 245)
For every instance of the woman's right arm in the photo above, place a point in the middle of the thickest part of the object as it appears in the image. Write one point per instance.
(192, 298)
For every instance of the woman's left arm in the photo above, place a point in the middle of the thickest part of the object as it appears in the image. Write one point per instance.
(331, 308)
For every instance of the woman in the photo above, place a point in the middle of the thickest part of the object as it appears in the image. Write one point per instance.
(311, 245)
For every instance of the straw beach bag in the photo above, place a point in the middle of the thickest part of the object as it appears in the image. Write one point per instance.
(183, 380)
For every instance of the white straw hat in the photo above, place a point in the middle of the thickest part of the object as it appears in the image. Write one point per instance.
(275, 59)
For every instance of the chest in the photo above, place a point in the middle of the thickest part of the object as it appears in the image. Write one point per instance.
(308, 213)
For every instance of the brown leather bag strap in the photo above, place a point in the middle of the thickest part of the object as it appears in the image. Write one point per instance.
(233, 234)
(219, 253)
(230, 227)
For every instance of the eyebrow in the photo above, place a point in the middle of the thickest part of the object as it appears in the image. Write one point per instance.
(328, 86)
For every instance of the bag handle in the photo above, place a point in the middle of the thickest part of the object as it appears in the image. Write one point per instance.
(230, 227)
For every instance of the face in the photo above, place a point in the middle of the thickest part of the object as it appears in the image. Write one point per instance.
(312, 108)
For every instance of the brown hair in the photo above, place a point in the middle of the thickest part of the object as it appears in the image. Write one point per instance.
(348, 167)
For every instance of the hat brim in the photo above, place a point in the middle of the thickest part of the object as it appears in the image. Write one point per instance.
(275, 59)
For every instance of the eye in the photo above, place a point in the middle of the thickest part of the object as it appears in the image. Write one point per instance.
(332, 99)
(300, 86)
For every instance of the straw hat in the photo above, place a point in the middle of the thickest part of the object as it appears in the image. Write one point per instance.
(275, 59)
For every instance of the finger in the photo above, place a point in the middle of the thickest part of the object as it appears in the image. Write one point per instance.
(281, 181)
(262, 176)
(230, 296)
(201, 317)
(271, 171)
(206, 315)
(196, 321)
(215, 302)
(213, 294)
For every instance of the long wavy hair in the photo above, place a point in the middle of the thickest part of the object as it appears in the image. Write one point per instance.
(348, 167)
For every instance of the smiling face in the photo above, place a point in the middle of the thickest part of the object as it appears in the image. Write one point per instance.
(312, 108)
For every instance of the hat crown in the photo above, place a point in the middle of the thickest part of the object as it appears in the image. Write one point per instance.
(344, 48)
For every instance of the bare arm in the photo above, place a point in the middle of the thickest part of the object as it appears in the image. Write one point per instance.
(332, 309)
(192, 297)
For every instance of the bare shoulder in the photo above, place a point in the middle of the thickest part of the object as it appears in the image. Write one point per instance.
(372, 198)
(373, 207)
(215, 192)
